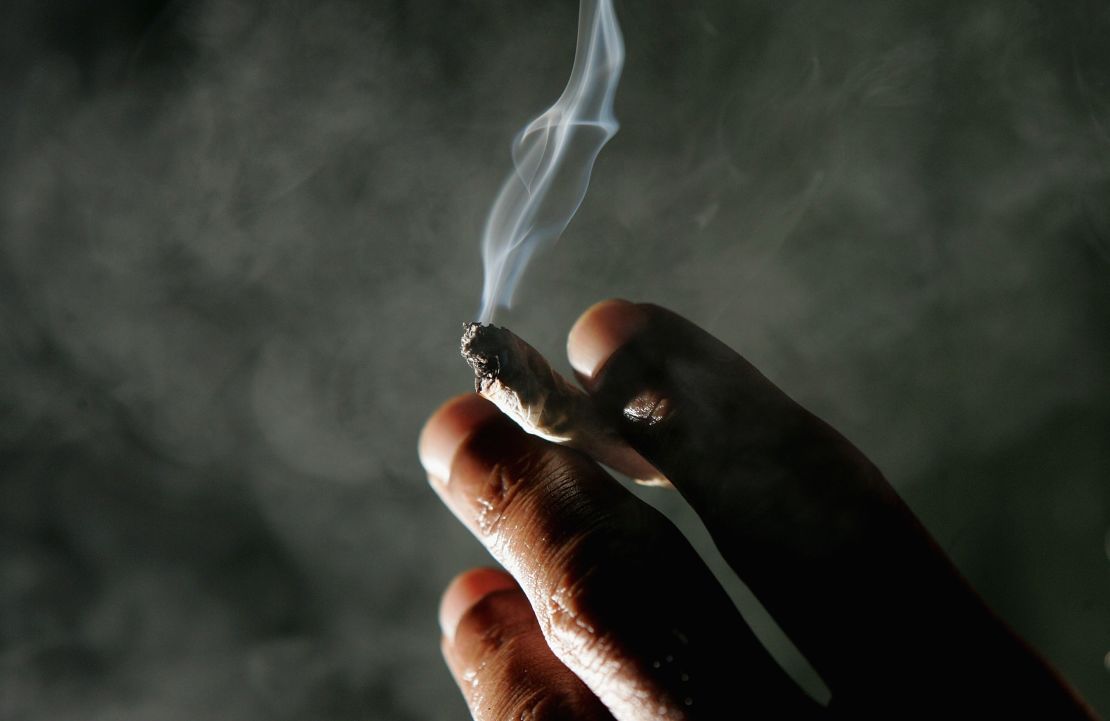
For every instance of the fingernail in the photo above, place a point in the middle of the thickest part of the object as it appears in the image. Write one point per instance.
(446, 430)
(602, 329)
(467, 589)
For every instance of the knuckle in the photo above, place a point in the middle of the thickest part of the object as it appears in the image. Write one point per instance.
(528, 473)
(507, 678)
(567, 619)
(616, 556)
(649, 409)
(571, 616)
(494, 495)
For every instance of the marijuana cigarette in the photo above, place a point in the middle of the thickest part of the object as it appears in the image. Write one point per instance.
(518, 380)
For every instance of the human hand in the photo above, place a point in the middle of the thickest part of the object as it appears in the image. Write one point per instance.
(609, 613)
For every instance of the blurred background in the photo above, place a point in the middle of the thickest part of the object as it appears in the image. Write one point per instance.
(238, 240)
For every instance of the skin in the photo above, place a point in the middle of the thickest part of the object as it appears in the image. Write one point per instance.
(606, 612)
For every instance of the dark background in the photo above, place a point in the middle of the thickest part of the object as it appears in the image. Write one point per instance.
(238, 239)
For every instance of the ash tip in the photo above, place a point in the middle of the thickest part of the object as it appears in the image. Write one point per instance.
(481, 346)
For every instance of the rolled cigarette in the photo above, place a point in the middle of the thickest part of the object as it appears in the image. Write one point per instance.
(518, 380)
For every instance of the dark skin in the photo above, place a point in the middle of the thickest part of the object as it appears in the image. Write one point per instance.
(606, 611)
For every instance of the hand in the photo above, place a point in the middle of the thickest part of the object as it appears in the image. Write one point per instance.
(609, 613)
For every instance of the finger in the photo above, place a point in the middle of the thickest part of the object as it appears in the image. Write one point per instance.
(621, 598)
(499, 659)
(801, 515)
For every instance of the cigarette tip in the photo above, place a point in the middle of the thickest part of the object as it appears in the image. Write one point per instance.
(480, 346)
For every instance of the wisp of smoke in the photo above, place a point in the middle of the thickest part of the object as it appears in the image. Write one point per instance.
(553, 157)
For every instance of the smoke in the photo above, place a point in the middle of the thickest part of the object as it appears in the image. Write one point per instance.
(236, 249)
(553, 158)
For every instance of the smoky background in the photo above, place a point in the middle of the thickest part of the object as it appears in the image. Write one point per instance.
(238, 240)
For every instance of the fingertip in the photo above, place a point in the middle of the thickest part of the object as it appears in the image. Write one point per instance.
(446, 430)
(447, 650)
(600, 331)
(467, 589)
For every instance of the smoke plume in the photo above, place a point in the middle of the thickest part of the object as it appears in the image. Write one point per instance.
(553, 157)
